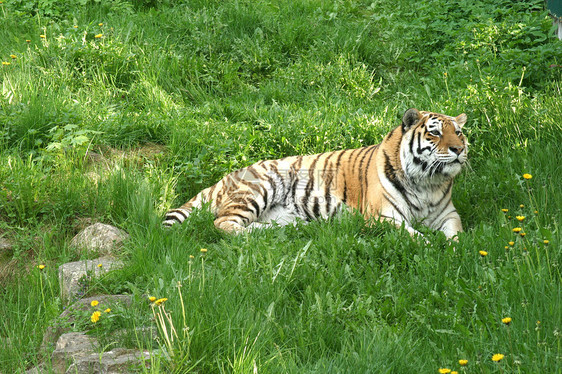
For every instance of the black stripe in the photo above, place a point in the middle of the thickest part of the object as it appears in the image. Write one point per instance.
(309, 216)
(325, 167)
(209, 194)
(310, 183)
(327, 179)
(395, 207)
(411, 145)
(358, 150)
(174, 218)
(390, 173)
(338, 161)
(244, 207)
(256, 207)
(344, 199)
(252, 185)
(370, 148)
(418, 161)
(265, 195)
(273, 186)
(245, 219)
(420, 149)
(445, 220)
(254, 173)
(444, 196)
(177, 211)
(327, 192)
(295, 171)
(375, 147)
(316, 208)
(276, 171)
(243, 200)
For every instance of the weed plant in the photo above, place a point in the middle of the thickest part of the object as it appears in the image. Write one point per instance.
(115, 111)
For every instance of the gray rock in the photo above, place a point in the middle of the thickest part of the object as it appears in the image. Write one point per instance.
(75, 276)
(5, 245)
(118, 360)
(37, 370)
(71, 346)
(79, 353)
(99, 238)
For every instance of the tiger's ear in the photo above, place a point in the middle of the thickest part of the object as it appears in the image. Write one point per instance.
(460, 119)
(410, 118)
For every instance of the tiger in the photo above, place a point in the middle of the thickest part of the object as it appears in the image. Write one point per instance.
(406, 179)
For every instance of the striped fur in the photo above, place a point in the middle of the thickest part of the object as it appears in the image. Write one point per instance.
(406, 178)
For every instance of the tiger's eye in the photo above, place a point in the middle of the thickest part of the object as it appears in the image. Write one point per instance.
(435, 133)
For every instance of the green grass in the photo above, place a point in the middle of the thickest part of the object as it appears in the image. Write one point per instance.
(176, 94)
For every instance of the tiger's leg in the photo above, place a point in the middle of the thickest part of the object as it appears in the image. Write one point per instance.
(450, 224)
(240, 211)
(396, 218)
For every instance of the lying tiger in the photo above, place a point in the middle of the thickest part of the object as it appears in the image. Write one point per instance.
(405, 179)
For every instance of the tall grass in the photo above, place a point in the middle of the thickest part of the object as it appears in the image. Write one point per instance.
(219, 85)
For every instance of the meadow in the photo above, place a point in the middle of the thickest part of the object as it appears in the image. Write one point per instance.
(115, 111)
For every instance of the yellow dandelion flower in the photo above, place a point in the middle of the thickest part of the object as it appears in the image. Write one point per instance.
(6, 63)
(497, 357)
(506, 320)
(522, 234)
(27, 41)
(97, 36)
(536, 212)
(75, 26)
(94, 303)
(444, 370)
(95, 316)
(505, 210)
(511, 243)
(100, 265)
(152, 299)
(13, 57)
(520, 218)
(100, 24)
(203, 250)
(454, 372)
(191, 256)
(483, 253)
(545, 241)
(160, 301)
(527, 176)
(41, 267)
(517, 229)
(42, 36)
(107, 310)
(463, 362)
(521, 206)
(506, 247)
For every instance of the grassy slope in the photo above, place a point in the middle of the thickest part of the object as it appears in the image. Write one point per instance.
(223, 84)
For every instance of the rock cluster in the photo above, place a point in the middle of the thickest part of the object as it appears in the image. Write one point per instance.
(77, 352)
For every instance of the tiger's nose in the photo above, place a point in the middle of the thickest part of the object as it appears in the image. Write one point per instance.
(456, 149)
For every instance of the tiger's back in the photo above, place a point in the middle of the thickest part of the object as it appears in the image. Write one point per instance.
(406, 178)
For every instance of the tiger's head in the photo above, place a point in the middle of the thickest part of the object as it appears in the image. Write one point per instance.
(433, 145)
